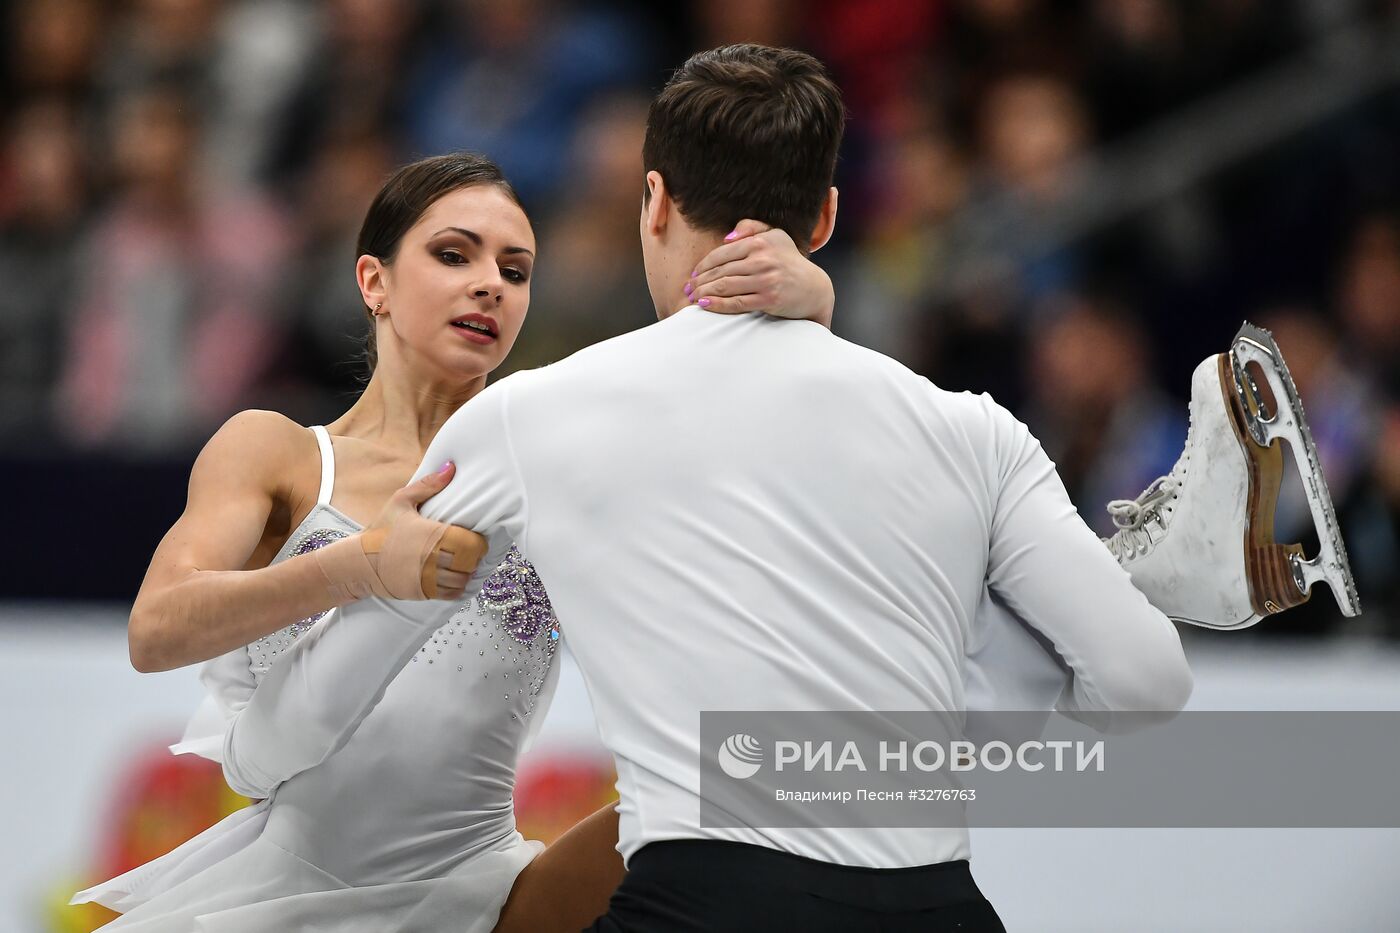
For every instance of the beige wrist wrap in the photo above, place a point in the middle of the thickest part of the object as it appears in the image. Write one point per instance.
(396, 562)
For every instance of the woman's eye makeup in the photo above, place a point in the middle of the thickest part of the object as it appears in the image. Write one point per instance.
(455, 257)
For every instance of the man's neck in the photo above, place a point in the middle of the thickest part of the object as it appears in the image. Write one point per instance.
(678, 263)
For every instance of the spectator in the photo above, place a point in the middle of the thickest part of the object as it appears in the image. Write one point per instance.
(1033, 135)
(589, 284)
(354, 84)
(1097, 409)
(514, 79)
(920, 187)
(1134, 72)
(262, 54)
(163, 41)
(172, 326)
(320, 299)
(56, 47)
(767, 22)
(45, 205)
(1369, 301)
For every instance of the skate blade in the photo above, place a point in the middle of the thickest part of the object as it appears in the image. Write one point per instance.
(1288, 422)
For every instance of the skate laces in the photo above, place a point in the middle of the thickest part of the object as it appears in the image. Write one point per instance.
(1131, 515)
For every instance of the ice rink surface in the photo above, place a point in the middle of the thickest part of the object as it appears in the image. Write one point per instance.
(71, 707)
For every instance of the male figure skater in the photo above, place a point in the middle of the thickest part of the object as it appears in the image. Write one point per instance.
(823, 550)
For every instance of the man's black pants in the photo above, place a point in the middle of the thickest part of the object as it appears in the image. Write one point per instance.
(696, 885)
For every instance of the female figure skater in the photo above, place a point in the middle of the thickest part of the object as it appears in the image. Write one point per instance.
(420, 797)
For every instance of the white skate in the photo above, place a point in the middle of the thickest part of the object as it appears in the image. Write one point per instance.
(1199, 542)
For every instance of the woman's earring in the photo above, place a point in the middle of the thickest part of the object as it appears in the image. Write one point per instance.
(378, 306)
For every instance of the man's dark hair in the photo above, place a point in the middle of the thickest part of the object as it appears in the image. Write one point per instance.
(747, 131)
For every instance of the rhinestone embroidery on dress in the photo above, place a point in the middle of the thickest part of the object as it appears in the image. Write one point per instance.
(516, 592)
(515, 599)
(265, 649)
(519, 624)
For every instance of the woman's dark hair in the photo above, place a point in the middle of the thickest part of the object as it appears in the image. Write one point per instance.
(408, 193)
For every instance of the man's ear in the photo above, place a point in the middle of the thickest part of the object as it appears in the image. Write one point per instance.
(826, 222)
(369, 274)
(657, 209)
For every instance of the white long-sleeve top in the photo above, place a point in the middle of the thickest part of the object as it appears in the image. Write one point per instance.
(743, 513)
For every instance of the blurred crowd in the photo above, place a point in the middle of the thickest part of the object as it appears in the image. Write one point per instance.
(181, 182)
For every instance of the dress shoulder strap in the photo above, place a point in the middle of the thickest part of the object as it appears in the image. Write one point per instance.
(323, 440)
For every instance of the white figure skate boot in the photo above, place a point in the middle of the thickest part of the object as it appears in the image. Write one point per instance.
(1199, 542)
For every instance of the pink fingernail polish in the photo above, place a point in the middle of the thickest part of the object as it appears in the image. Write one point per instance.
(704, 302)
(732, 234)
(688, 289)
(445, 467)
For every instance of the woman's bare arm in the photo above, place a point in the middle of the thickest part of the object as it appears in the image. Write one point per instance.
(196, 601)
(200, 599)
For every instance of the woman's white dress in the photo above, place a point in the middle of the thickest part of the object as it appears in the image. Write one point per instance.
(418, 801)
